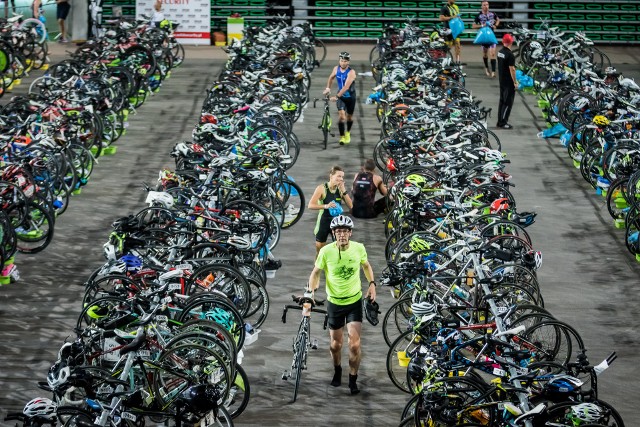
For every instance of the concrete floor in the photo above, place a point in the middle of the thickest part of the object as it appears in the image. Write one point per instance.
(588, 278)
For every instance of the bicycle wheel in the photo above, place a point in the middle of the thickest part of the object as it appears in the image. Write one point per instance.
(71, 416)
(550, 340)
(36, 28)
(292, 199)
(185, 365)
(464, 403)
(300, 354)
(561, 413)
(321, 51)
(222, 278)
(398, 359)
(259, 306)
(397, 320)
(36, 231)
(239, 394)
(617, 203)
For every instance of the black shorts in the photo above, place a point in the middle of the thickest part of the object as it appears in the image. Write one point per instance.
(323, 230)
(347, 104)
(62, 11)
(340, 315)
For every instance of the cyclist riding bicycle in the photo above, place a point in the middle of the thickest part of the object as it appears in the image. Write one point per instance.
(341, 262)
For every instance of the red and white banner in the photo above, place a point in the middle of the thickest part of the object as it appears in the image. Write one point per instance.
(194, 17)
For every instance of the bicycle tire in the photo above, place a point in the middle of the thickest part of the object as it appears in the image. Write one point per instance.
(300, 349)
(171, 377)
(241, 391)
(396, 320)
(40, 230)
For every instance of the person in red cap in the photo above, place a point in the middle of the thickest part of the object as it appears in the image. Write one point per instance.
(508, 82)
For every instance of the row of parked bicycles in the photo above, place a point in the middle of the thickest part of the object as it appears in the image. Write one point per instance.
(164, 323)
(596, 112)
(52, 137)
(23, 47)
(469, 338)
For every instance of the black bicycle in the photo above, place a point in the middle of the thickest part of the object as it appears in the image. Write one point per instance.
(325, 123)
(302, 341)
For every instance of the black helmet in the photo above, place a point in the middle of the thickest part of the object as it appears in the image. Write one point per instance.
(371, 311)
(201, 398)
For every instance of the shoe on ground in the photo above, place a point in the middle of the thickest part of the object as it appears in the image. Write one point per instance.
(342, 140)
(353, 385)
(505, 126)
(493, 74)
(347, 137)
(486, 71)
(337, 376)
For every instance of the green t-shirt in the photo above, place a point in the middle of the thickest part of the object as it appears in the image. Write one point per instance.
(342, 272)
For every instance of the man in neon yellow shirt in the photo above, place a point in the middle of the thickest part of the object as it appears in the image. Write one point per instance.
(341, 262)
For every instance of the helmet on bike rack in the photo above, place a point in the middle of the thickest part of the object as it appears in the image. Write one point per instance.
(132, 262)
(422, 308)
(201, 398)
(417, 180)
(536, 50)
(345, 55)
(499, 205)
(371, 311)
(40, 407)
(341, 221)
(532, 259)
(601, 120)
(588, 412)
(411, 191)
(417, 244)
(562, 387)
(58, 374)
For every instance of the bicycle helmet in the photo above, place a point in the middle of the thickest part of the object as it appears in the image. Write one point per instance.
(411, 191)
(611, 72)
(600, 120)
(587, 412)
(40, 407)
(418, 244)
(415, 369)
(239, 242)
(371, 311)
(422, 308)
(221, 317)
(336, 210)
(499, 205)
(345, 55)
(58, 374)
(493, 155)
(416, 179)
(536, 50)
(160, 198)
(342, 221)
(561, 385)
(132, 262)
(201, 398)
(72, 353)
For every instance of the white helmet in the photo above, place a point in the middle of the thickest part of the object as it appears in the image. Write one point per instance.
(160, 197)
(239, 242)
(421, 308)
(58, 374)
(342, 221)
(40, 407)
(493, 155)
(588, 412)
(536, 50)
(411, 190)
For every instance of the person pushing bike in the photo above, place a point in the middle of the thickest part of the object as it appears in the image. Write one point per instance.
(346, 96)
(341, 262)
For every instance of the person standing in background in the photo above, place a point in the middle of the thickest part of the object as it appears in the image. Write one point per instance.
(158, 15)
(447, 13)
(488, 19)
(62, 11)
(508, 82)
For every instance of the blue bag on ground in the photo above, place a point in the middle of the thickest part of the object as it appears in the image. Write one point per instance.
(523, 80)
(485, 36)
(553, 131)
(457, 27)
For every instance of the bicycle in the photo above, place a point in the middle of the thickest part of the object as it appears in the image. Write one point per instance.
(302, 341)
(325, 123)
